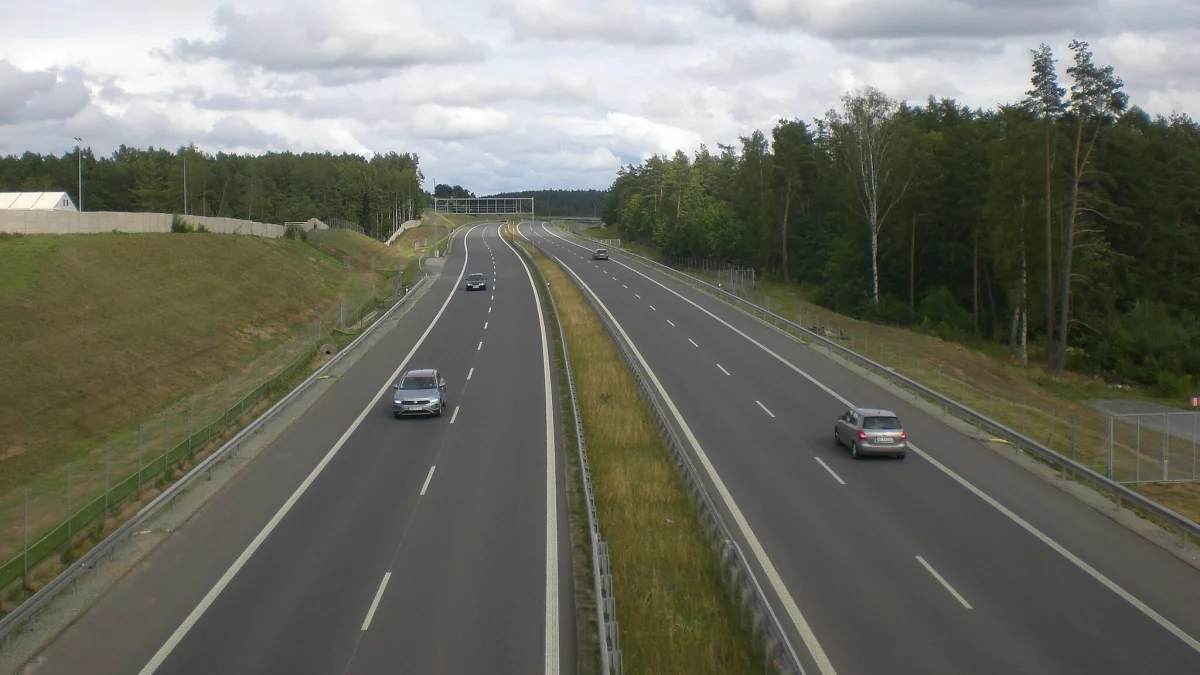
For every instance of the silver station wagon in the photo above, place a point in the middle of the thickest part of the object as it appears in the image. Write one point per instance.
(871, 431)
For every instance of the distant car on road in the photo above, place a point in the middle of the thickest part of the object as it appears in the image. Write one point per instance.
(419, 392)
(600, 254)
(476, 282)
(871, 431)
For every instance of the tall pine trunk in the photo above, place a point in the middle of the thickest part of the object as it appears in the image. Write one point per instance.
(912, 267)
(1068, 242)
(1049, 256)
(783, 230)
(975, 279)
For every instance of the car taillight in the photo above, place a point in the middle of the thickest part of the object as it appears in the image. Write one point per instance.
(862, 435)
(904, 435)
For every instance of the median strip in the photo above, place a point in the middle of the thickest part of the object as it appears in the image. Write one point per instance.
(675, 613)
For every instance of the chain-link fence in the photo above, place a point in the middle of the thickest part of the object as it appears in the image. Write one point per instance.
(50, 520)
(732, 278)
(1153, 447)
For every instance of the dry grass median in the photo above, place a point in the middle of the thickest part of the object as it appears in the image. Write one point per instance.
(674, 611)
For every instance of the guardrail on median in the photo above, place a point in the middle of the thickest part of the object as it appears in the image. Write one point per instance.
(607, 627)
(766, 631)
(1183, 526)
(27, 611)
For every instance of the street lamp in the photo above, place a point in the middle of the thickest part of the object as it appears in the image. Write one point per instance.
(79, 156)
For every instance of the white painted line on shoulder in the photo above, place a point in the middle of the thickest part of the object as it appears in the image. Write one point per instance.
(470, 373)
(671, 322)
(760, 404)
(831, 473)
(693, 342)
(161, 655)
(552, 639)
(945, 583)
(378, 597)
(428, 477)
(454, 416)
(723, 369)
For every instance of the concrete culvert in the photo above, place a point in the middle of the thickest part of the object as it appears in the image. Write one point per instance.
(328, 349)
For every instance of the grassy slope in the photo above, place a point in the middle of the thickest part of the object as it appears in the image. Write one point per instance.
(1027, 399)
(675, 614)
(103, 332)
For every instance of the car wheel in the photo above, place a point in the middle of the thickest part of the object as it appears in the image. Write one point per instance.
(439, 412)
(854, 450)
(837, 438)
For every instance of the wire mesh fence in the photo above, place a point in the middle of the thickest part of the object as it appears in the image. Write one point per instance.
(732, 278)
(1154, 447)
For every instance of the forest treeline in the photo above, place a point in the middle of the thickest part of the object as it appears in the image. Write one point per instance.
(566, 203)
(275, 187)
(1065, 225)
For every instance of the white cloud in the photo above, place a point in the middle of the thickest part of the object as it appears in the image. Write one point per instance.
(508, 94)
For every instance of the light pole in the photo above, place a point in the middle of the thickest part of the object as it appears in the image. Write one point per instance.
(79, 156)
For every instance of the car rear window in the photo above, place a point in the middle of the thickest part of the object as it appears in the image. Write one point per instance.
(600, 250)
(881, 423)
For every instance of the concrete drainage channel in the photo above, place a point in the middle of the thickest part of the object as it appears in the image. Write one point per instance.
(46, 614)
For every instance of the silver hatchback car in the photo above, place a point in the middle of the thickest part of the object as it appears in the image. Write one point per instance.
(871, 431)
(420, 392)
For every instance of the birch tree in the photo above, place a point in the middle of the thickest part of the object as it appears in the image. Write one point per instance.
(869, 141)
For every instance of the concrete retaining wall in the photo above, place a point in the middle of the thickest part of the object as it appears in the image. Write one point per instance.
(91, 222)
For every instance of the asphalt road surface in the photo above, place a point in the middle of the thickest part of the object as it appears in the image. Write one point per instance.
(359, 543)
(954, 560)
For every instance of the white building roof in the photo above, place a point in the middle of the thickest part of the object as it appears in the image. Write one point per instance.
(36, 201)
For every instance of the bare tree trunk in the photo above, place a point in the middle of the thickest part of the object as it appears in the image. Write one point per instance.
(975, 279)
(1049, 256)
(874, 215)
(1023, 303)
(912, 267)
(783, 234)
(1068, 242)
(1012, 333)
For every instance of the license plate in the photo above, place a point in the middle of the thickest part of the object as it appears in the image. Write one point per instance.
(884, 439)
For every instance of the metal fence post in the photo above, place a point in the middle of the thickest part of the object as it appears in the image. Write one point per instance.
(1166, 434)
(191, 424)
(1109, 437)
(141, 428)
(1053, 417)
(107, 476)
(1194, 416)
(1137, 449)
(166, 439)
(1072, 438)
(25, 535)
(69, 501)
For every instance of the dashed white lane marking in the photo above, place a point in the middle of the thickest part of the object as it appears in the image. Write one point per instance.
(670, 322)
(944, 582)
(718, 365)
(652, 307)
(470, 373)
(382, 585)
(760, 404)
(480, 346)
(453, 417)
(831, 473)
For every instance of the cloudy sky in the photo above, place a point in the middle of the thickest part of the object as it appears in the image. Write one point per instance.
(522, 94)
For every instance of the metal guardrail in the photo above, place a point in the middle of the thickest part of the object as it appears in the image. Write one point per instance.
(766, 631)
(28, 610)
(607, 626)
(1186, 527)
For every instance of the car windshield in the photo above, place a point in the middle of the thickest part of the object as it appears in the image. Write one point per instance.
(881, 423)
(476, 276)
(600, 250)
(418, 382)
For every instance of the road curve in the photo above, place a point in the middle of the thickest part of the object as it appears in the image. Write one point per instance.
(432, 545)
(955, 560)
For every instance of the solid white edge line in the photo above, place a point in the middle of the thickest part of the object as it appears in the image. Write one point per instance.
(1025, 525)
(470, 373)
(831, 472)
(425, 485)
(944, 583)
(552, 620)
(723, 369)
(760, 404)
(760, 554)
(378, 596)
(163, 652)
(454, 415)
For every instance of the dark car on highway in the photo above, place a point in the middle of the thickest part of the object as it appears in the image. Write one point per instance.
(600, 254)
(476, 282)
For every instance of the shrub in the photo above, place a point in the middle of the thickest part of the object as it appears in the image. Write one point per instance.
(178, 224)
